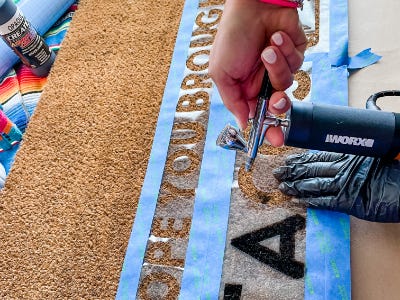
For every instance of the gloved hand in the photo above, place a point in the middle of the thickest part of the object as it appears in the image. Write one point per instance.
(365, 187)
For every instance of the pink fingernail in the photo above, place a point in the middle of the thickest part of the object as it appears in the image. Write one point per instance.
(270, 56)
(277, 38)
(280, 104)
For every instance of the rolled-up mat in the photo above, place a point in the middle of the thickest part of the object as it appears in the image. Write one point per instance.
(42, 14)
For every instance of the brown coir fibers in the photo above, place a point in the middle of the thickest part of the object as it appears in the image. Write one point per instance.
(67, 209)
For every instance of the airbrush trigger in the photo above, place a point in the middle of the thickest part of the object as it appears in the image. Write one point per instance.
(274, 121)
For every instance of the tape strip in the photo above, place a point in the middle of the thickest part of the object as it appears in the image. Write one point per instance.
(134, 256)
(327, 256)
(363, 59)
(339, 33)
(42, 14)
(329, 84)
(205, 253)
(338, 52)
(328, 274)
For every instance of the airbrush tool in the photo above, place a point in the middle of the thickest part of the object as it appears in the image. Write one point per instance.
(256, 133)
(231, 138)
(342, 129)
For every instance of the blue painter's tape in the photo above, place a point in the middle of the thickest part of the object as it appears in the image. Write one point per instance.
(204, 257)
(339, 33)
(131, 269)
(363, 59)
(328, 272)
(328, 277)
(329, 84)
(42, 14)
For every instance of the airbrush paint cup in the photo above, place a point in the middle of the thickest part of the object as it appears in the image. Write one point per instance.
(26, 42)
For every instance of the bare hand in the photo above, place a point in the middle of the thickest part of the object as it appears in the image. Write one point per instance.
(253, 36)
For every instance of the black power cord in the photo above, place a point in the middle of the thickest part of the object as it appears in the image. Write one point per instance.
(371, 101)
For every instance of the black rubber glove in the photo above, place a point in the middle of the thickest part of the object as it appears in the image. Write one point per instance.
(365, 187)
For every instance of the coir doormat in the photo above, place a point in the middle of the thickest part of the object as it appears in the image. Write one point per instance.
(206, 229)
(90, 212)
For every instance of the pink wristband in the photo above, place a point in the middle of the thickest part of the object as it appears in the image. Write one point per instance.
(285, 3)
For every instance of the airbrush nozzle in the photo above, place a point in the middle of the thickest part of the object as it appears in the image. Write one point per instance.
(248, 164)
(230, 138)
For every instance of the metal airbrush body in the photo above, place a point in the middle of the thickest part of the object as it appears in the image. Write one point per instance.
(231, 138)
(335, 128)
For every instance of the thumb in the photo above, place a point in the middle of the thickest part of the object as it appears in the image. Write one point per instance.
(327, 202)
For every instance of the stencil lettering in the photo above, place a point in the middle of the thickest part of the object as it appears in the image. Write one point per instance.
(160, 277)
(196, 81)
(284, 260)
(160, 253)
(193, 102)
(171, 229)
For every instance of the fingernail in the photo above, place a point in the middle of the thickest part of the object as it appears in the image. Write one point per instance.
(277, 38)
(280, 104)
(270, 56)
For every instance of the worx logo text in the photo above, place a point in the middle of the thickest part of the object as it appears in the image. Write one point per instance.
(349, 140)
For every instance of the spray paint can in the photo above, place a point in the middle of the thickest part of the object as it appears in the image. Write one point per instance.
(20, 35)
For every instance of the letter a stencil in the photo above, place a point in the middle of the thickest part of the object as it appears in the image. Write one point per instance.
(284, 261)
